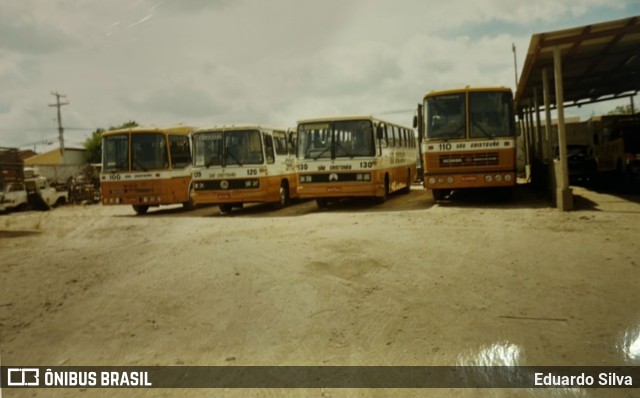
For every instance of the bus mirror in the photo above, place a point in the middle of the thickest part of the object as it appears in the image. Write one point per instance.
(595, 139)
(379, 132)
(415, 122)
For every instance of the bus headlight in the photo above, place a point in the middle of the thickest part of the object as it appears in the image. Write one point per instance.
(247, 184)
(498, 178)
(507, 177)
(432, 180)
(255, 183)
(367, 177)
(450, 180)
(488, 178)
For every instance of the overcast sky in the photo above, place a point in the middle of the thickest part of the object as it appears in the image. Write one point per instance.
(206, 62)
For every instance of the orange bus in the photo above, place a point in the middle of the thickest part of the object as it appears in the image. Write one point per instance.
(354, 156)
(469, 139)
(146, 167)
(234, 165)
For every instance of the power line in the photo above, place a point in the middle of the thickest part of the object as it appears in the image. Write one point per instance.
(35, 129)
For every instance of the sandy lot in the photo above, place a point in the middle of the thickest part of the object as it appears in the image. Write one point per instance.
(479, 280)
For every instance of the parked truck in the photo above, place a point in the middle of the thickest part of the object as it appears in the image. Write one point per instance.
(22, 191)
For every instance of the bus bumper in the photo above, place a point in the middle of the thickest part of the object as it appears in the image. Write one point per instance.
(139, 200)
(234, 196)
(470, 180)
(307, 191)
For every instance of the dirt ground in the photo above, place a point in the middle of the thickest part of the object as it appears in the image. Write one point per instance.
(479, 280)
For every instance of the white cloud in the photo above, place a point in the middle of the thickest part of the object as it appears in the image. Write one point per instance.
(208, 62)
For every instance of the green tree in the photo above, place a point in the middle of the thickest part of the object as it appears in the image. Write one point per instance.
(93, 144)
(621, 110)
(125, 125)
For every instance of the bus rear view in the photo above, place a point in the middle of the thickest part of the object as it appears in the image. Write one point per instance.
(469, 140)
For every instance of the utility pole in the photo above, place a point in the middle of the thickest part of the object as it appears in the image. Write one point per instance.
(515, 63)
(58, 105)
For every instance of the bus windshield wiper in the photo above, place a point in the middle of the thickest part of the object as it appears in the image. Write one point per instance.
(211, 161)
(137, 162)
(482, 130)
(322, 153)
(346, 150)
(447, 136)
(231, 155)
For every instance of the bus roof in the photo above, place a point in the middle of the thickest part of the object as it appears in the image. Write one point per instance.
(236, 127)
(178, 129)
(349, 117)
(467, 89)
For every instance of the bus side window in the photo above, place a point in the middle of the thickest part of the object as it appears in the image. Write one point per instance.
(180, 151)
(291, 140)
(268, 148)
(280, 143)
(394, 136)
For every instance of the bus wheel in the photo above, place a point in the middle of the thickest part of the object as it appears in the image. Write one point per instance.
(438, 194)
(383, 198)
(140, 210)
(225, 208)
(284, 196)
(407, 189)
(322, 203)
(189, 204)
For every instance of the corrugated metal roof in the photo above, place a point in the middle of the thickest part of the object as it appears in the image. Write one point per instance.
(599, 61)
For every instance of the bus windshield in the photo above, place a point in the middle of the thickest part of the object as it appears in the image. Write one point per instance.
(446, 116)
(324, 140)
(116, 153)
(222, 148)
(149, 152)
(490, 115)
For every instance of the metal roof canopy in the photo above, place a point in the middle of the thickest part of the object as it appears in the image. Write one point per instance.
(599, 62)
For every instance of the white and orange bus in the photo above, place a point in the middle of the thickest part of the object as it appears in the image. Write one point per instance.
(146, 167)
(469, 139)
(354, 156)
(235, 165)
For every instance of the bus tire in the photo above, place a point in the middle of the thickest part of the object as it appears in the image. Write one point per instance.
(283, 199)
(189, 204)
(225, 208)
(383, 198)
(438, 194)
(407, 189)
(140, 210)
(322, 203)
